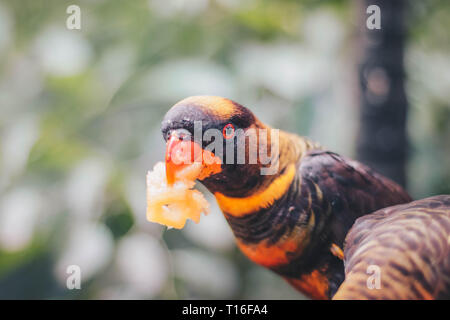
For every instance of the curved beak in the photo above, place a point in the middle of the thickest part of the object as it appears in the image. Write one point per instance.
(183, 154)
(170, 167)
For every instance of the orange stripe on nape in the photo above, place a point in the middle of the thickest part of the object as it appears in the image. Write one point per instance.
(262, 199)
(221, 107)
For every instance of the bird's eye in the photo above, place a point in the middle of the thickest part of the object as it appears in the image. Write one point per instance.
(228, 131)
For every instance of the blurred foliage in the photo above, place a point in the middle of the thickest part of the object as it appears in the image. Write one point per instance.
(80, 112)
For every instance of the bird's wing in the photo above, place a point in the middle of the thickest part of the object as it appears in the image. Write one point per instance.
(334, 192)
(352, 189)
(400, 252)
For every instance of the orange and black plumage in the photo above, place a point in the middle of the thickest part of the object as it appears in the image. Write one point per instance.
(295, 221)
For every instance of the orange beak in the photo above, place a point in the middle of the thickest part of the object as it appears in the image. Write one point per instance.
(170, 167)
(181, 154)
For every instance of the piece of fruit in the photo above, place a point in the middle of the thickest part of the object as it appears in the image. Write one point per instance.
(173, 205)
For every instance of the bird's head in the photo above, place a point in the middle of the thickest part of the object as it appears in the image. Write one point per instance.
(221, 137)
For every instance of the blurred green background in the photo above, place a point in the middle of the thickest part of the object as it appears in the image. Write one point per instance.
(80, 114)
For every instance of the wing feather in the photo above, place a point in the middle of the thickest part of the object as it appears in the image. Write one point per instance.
(409, 248)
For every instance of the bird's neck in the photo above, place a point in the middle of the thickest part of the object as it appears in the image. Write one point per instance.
(278, 224)
(244, 190)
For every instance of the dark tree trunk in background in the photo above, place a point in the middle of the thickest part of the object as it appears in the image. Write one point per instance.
(382, 142)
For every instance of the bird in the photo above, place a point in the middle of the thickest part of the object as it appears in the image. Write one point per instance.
(410, 246)
(320, 218)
